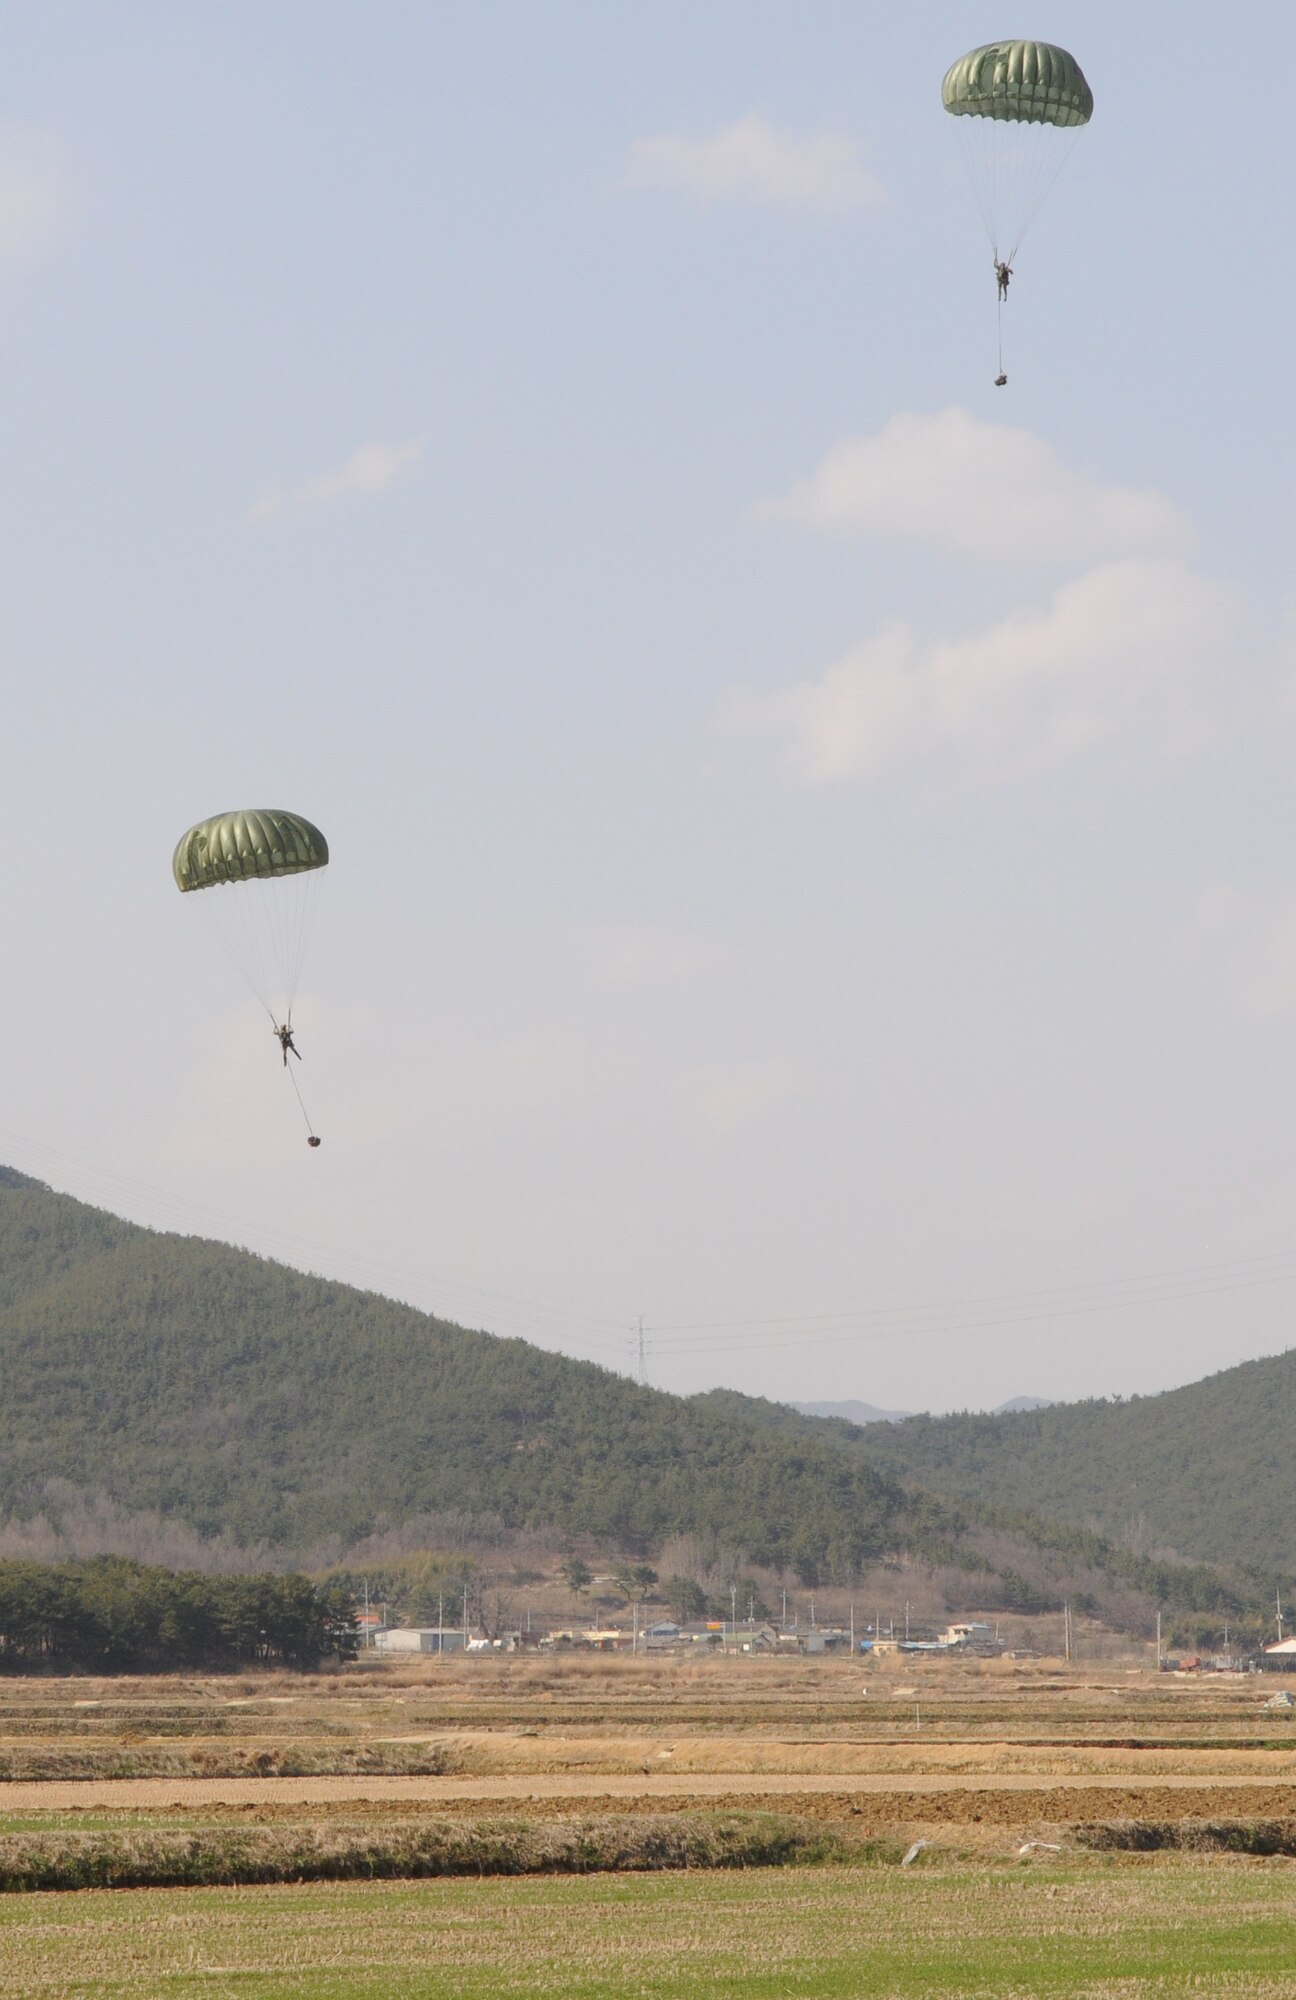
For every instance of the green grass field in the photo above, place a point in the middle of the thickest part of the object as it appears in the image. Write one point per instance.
(1100, 1927)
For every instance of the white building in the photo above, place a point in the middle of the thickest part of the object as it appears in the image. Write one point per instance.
(419, 1639)
(967, 1635)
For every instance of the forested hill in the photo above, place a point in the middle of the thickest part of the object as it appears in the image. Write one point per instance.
(201, 1383)
(1208, 1471)
(183, 1379)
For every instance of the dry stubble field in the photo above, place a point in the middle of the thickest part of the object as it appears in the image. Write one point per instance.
(1157, 1817)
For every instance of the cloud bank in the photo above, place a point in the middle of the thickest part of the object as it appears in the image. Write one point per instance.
(751, 161)
(371, 468)
(1034, 686)
(1136, 632)
(950, 481)
(35, 194)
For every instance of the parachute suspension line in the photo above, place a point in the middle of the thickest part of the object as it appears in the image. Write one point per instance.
(239, 946)
(980, 163)
(1042, 171)
(263, 928)
(1012, 169)
(1000, 378)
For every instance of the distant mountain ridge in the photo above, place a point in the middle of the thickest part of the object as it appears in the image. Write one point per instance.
(867, 1413)
(852, 1412)
(1208, 1471)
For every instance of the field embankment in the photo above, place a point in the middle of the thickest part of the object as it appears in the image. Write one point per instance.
(145, 1856)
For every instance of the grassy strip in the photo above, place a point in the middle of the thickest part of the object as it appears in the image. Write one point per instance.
(225, 1857)
(282, 1760)
(1092, 1931)
(1190, 1836)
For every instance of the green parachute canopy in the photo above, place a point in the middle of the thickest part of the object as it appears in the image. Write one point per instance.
(259, 844)
(269, 866)
(1024, 83)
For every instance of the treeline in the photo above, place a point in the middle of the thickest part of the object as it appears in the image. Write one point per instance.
(1198, 1598)
(113, 1616)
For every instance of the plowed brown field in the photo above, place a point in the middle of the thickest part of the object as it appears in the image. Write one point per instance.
(986, 1745)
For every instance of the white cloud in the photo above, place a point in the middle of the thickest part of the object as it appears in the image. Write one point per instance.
(1036, 1215)
(35, 193)
(950, 480)
(371, 468)
(644, 953)
(1271, 988)
(751, 161)
(723, 1099)
(1256, 943)
(1040, 684)
(1246, 937)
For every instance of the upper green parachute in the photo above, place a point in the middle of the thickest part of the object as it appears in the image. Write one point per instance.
(1026, 83)
(245, 846)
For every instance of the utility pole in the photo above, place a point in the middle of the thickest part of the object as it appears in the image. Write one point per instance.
(643, 1356)
(1158, 1638)
(368, 1627)
(465, 1618)
(1278, 1609)
(785, 1607)
(852, 1630)
(1066, 1626)
(906, 1621)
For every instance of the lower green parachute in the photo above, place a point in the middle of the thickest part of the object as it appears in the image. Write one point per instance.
(266, 866)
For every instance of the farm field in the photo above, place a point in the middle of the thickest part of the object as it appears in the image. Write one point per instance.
(1223, 1928)
(650, 1827)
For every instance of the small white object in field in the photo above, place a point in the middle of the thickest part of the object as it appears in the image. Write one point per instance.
(1039, 1847)
(914, 1852)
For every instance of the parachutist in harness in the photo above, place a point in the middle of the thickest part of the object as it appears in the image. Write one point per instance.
(286, 1042)
(1001, 381)
(1003, 273)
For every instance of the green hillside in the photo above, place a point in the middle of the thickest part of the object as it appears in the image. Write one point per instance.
(198, 1382)
(181, 1379)
(1208, 1471)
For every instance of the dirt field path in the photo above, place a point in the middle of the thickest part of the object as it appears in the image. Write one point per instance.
(1271, 1797)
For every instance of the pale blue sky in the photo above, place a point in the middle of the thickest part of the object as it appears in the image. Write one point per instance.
(812, 832)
